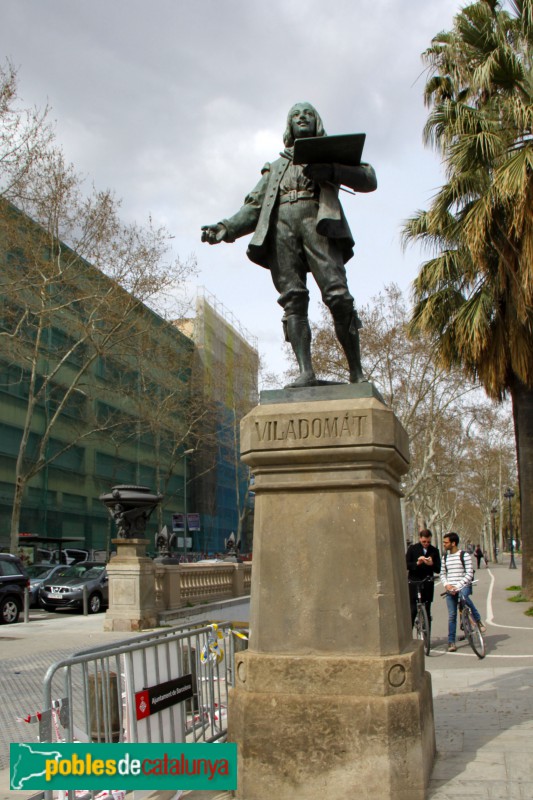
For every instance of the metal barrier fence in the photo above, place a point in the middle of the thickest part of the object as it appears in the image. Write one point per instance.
(163, 686)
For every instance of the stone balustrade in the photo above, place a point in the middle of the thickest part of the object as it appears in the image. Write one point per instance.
(178, 585)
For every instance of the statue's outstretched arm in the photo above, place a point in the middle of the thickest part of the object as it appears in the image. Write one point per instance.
(244, 221)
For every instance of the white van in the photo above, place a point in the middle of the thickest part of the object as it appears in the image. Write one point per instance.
(69, 555)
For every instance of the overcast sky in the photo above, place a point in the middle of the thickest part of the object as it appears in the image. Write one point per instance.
(177, 104)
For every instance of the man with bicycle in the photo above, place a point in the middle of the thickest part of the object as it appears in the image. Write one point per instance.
(456, 576)
(423, 560)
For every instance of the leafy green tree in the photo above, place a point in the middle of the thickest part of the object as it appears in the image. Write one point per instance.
(475, 295)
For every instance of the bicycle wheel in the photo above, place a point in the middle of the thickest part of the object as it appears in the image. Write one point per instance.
(472, 633)
(422, 628)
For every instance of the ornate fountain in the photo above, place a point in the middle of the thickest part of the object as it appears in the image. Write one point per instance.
(131, 508)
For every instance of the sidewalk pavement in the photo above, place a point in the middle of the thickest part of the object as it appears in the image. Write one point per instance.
(483, 709)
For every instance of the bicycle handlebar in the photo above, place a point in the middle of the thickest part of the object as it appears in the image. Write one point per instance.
(462, 587)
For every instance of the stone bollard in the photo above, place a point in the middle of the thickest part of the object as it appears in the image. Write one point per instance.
(104, 707)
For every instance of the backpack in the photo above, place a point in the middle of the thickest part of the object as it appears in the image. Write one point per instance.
(462, 557)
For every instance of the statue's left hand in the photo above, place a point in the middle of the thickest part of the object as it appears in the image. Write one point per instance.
(321, 173)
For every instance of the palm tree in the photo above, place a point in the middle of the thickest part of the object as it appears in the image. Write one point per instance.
(476, 294)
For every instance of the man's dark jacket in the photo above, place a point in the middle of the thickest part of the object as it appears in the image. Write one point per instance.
(418, 573)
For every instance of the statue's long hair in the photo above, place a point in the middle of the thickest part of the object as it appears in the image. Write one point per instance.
(288, 138)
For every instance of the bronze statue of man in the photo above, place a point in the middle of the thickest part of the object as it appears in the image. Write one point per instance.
(298, 227)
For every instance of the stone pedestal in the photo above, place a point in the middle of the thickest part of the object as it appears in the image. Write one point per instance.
(332, 698)
(132, 605)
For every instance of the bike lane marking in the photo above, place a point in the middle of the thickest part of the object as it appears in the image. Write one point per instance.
(490, 615)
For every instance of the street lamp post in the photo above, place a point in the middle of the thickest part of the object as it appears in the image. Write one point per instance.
(185, 454)
(493, 512)
(509, 494)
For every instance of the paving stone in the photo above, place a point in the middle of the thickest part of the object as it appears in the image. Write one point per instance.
(508, 790)
(451, 741)
(451, 790)
(519, 764)
(471, 765)
(490, 743)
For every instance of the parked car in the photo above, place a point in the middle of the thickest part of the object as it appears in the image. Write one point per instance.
(13, 581)
(39, 574)
(66, 591)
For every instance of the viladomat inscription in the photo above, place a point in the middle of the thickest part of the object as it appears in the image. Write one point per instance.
(301, 428)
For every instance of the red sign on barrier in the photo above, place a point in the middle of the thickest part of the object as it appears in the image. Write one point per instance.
(156, 698)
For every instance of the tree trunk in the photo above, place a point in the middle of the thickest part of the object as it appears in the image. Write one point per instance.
(523, 420)
(15, 516)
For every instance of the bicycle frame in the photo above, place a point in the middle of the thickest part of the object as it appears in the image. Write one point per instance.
(469, 625)
(423, 631)
(471, 628)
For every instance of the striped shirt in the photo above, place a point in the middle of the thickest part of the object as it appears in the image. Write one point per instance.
(453, 572)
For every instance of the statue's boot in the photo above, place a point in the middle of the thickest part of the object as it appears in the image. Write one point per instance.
(347, 330)
(298, 334)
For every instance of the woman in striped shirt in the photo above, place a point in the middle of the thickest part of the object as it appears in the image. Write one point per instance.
(457, 574)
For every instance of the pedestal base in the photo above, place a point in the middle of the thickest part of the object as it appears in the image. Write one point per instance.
(131, 588)
(333, 727)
